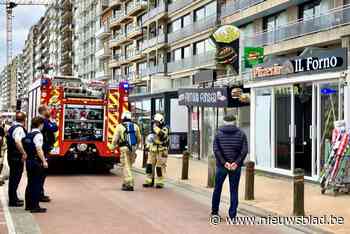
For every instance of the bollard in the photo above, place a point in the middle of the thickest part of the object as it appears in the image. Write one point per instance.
(298, 192)
(249, 181)
(185, 165)
(145, 158)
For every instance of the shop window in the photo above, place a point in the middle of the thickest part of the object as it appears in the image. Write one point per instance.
(159, 106)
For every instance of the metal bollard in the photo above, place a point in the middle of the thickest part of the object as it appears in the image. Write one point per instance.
(298, 192)
(249, 181)
(145, 158)
(185, 165)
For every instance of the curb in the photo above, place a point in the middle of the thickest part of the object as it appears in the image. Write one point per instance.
(244, 208)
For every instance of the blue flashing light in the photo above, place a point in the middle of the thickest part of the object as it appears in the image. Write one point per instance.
(44, 81)
(328, 91)
(125, 85)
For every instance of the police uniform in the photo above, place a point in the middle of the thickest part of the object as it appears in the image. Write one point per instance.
(157, 158)
(14, 158)
(34, 170)
(127, 153)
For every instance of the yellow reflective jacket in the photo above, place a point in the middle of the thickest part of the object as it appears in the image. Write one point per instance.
(161, 139)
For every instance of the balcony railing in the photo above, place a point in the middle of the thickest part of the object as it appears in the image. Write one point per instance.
(103, 52)
(118, 17)
(135, 6)
(178, 5)
(152, 70)
(158, 40)
(196, 27)
(237, 5)
(192, 62)
(132, 28)
(130, 54)
(154, 12)
(103, 75)
(103, 31)
(331, 19)
(118, 38)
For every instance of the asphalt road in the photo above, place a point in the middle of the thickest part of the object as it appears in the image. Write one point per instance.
(94, 204)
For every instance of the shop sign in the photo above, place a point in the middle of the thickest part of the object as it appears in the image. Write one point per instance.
(319, 60)
(253, 56)
(209, 97)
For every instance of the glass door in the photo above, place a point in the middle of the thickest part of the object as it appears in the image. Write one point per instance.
(282, 127)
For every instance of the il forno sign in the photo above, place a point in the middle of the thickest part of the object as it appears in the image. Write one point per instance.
(311, 61)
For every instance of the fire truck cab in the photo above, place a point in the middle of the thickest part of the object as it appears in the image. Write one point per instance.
(86, 113)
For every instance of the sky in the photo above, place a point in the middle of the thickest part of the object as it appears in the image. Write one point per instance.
(24, 18)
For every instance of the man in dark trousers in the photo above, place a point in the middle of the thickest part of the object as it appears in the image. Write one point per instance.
(2, 155)
(16, 157)
(230, 149)
(35, 164)
(48, 131)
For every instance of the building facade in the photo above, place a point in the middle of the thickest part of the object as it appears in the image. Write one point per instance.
(300, 110)
(85, 18)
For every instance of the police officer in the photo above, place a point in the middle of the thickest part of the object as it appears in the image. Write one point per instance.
(158, 153)
(35, 163)
(127, 137)
(16, 157)
(48, 131)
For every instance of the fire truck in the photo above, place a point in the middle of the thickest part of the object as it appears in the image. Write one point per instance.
(86, 113)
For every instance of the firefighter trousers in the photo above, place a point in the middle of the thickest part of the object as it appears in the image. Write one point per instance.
(127, 159)
(156, 167)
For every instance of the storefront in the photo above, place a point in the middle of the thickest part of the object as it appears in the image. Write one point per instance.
(206, 109)
(294, 102)
(145, 106)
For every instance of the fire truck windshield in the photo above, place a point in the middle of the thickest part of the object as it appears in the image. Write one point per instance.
(83, 122)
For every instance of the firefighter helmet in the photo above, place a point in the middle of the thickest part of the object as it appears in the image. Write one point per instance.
(126, 115)
(159, 118)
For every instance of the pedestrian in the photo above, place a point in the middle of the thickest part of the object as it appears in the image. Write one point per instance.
(48, 131)
(230, 149)
(4, 175)
(16, 157)
(35, 164)
(158, 153)
(2, 153)
(127, 137)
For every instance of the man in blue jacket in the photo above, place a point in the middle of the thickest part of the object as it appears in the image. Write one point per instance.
(48, 131)
(230, 149)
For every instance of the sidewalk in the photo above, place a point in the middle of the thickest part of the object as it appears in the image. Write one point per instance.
(3, 225)
(273, 194)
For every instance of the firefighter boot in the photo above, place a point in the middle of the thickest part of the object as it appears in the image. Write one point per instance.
(126, 187)
(149, 182)
(160, 168)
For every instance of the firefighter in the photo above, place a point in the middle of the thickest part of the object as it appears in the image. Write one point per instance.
(158, 153)
(127, 137)
(16, 157)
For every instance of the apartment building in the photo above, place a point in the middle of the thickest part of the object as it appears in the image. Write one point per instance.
(54, 37)
(85, 17)
(103, 36)
(292, 115)
(11, 84)
(67, 27)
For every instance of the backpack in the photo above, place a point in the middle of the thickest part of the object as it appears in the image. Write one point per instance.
(130, 134)
(29, 145)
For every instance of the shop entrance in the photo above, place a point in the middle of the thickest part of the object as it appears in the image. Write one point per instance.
(302, 124)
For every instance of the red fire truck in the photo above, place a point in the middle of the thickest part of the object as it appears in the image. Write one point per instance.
(86, 114)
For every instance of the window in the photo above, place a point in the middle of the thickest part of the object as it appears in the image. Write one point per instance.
(310, 10)
(175, 25)
(177, 54)
(275, 21)
(187, 20)
(205, 11)
(181, 82)
(186, 52)
(141, 67)
(203, 46)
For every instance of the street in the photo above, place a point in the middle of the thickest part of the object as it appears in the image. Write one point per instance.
(95, 204)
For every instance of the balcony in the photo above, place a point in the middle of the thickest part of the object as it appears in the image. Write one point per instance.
(119, 18)
(158, 12)
(328, 21)
(103, 75)
(116, 60)
(117, 40)
(179, 4)
(193, 62)
(103, 32)
(155, 42)
(103, 53)
(237, 5)
(190, 30)
(136, 7)
(133, 31)
(113, 3)
(133, 54)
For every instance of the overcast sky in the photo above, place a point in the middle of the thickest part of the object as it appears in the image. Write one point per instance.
(24, 18)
